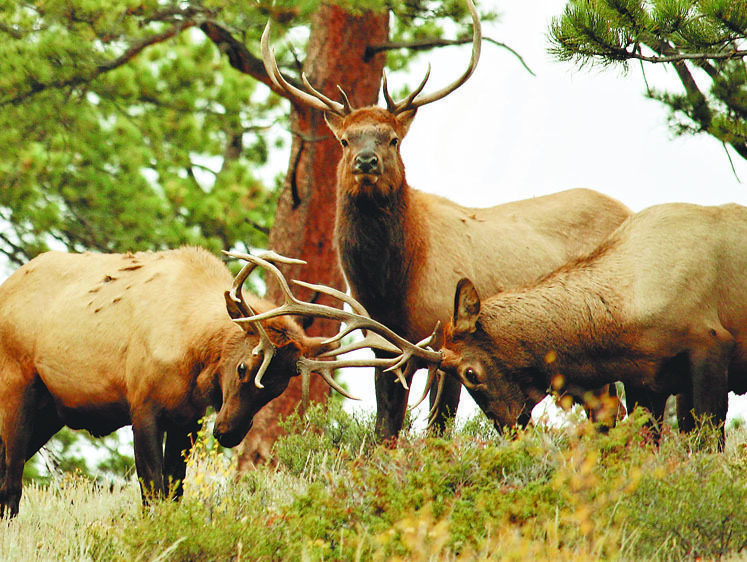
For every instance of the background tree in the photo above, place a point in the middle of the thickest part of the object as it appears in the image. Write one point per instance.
(145, 124)
(703, 40)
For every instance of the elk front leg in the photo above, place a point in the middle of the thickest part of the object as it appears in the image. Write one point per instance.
(391, 405)
(179, 442)
(148, 444)
(710, 380)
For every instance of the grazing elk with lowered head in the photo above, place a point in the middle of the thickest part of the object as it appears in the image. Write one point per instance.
(403, 250)
(660, 305)
(100, 341)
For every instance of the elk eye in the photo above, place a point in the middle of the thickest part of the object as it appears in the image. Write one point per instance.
(344, 143)
(471, 375)
(394, 142)
(241, 370)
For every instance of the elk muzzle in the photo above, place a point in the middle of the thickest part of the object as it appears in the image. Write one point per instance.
(367, 162)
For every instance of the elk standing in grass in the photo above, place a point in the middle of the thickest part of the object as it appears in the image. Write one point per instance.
(100, 341)
(660, 306)
(403, 250)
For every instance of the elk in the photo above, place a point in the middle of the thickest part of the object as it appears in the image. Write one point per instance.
(402, 250)
(100, 341)
(660, 305)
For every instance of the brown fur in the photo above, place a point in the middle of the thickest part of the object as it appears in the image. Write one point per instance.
(100, 341)
(403, 250)
(659, 306)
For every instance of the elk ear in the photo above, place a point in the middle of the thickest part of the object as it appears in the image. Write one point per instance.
(334, 122)
(466, 307)
(405, 119)
(234, 311)
(315, 346)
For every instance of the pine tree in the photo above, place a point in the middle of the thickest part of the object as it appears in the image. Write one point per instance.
(703, 40)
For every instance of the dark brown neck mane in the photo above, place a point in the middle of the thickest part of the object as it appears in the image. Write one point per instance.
(374, 245)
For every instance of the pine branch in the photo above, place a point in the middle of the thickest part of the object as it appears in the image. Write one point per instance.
(239, 57)
(134, 50)
(681, 57)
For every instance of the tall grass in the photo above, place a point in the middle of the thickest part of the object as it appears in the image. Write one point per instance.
(542, 493)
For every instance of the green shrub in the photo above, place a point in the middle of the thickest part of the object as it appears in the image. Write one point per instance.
(540, 493)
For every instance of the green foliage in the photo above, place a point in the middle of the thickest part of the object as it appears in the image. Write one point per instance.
(692, 36)
(540, 493)
(70, 451)
(116, 157)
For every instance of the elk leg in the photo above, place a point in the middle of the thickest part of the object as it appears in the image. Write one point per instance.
(447, 406)
(602, 405)
(710, 381)
(16, 430)
(148, 444)
(179, 441)
(685, 417)
(391, 404)
(654, 402)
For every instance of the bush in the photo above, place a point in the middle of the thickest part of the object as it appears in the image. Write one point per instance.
(541, 493)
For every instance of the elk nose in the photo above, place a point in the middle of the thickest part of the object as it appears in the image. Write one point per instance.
(366, 162)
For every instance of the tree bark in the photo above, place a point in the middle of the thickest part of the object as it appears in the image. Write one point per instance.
(305, 217)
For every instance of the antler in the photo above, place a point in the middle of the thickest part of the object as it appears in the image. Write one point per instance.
(317, 100)
(359, 320)
(414, 100)
(265, 345)
(311, 97)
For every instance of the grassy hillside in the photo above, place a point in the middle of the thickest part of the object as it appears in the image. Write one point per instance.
(543, 493)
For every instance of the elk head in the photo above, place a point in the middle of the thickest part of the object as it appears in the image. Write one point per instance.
(370, 137)
(506, 395)
(257, 362)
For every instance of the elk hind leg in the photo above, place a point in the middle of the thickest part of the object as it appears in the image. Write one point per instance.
(654, 402)
(16, 428)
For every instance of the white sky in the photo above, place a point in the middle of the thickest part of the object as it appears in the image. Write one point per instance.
(507, 135)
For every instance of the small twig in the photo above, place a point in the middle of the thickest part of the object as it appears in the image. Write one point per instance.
(428, 44)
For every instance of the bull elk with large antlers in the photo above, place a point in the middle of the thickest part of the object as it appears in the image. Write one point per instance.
(402, 250)
(660, 305)
(100, 341)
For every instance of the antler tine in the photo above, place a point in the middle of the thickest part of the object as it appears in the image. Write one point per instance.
(434, 408)
(312, 98)
(357, 307)
(391, 105)
(443, 92)
(432, 370)
(345, 100)
(372, 339)
(412, 351)
(406, 103)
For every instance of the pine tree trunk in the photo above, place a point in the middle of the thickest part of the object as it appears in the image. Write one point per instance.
(304, 221)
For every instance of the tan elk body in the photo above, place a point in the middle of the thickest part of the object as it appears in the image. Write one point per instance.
(661, 306)
(402, 250)
(100, 341)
